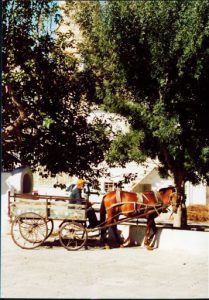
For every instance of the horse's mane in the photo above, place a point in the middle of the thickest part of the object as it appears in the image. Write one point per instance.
(166, 188)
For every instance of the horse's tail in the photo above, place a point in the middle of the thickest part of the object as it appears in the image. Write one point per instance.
(102, 212)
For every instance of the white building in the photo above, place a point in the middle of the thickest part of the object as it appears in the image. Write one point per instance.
(143, 178)
(20, 180)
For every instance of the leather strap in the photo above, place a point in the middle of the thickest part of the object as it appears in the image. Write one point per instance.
(118, 196)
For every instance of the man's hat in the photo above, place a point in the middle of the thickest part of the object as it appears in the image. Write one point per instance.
(80, 182)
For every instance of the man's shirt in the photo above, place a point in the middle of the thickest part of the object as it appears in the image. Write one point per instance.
(76, 193)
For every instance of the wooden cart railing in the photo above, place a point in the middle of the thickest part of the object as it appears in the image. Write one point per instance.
(49, 207)
(32, 218)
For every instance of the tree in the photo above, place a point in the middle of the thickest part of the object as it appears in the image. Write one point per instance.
(46, 95)
(150, 64)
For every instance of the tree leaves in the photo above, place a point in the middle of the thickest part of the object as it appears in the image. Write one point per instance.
(149, 60)
(46, 95)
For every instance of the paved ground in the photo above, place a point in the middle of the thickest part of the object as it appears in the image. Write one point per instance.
(98, 273)
(130, 273)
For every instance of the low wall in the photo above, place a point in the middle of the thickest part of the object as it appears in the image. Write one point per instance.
(191, 241)
(196, 242)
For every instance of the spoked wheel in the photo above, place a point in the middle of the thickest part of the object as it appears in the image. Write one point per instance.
(29, 230)
(50, 226)
(72, 235)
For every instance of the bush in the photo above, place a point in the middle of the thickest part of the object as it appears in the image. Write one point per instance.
(198, 213)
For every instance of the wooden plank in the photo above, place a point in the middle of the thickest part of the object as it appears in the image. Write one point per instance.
(68, 214)
(32, 197)
(26, 202)
(54, 207)
(38, 197)
(20, 209)
(50, 202)
(49, 210)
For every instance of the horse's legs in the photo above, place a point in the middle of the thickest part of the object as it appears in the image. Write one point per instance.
(106, 219)
(150, 226)
(103, 223)
(103, 236)
(146, 240)
(104, 230)
(152, 238)
(115, 231)
(147, 232)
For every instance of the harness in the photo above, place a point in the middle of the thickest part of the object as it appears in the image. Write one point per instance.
(144, 210)
(118, 196)
(140, 197)
(139, 201)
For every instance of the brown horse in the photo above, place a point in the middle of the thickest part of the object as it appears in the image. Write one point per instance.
(137, 205)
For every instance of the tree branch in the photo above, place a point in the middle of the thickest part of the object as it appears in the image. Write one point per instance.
(22, 115)
(168, 158)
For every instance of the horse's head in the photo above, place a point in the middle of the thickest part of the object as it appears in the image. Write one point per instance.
(175, 200)
(170, 196)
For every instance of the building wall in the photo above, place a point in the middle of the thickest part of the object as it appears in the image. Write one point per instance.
(4, 184)
(18, 180)
(198, 194)
(4, 202)
(151, 181)
(207, 195)
(49, 181)
(49, 185)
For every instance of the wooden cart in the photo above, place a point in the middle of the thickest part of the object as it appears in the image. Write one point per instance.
(32, 217)
(32, 220)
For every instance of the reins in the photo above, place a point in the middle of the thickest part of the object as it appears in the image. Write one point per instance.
(104, 225)
(143, 207)
(151, 208)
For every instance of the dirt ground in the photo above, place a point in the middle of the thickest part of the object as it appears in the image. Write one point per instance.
(130, 273)
(96, 273)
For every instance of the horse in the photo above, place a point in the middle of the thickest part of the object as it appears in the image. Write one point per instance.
(136, 205)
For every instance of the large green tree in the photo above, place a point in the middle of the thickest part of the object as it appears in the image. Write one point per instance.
(149, 60)
(46, 94)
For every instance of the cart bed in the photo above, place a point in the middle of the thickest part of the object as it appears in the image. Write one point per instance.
(49, 207)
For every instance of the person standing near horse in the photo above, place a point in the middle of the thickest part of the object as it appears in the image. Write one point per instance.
(76, 197)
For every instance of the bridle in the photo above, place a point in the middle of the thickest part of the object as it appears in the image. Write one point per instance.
(178, 198)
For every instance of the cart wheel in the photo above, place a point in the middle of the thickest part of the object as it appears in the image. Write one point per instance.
(29, 230)
(72, 235)
(50, 226)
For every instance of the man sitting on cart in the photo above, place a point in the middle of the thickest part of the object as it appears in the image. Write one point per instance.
(76, 197)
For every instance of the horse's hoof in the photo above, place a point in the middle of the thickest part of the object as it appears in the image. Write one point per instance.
(146, 243)
(107, 247)
(126, 243)
(150, 247)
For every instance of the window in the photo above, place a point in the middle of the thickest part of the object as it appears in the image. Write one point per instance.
(146, 187)
(108, 186)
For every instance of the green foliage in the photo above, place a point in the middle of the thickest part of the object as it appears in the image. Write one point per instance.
(126, 148)
(149, 60)
(47, 122)
(46, 95)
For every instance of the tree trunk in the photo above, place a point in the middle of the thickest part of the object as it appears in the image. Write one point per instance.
(180, 185)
